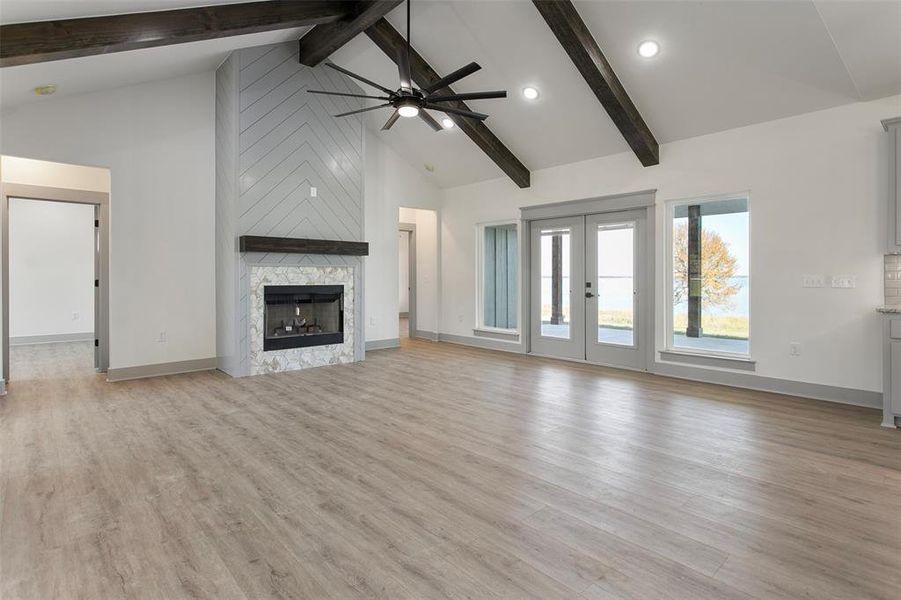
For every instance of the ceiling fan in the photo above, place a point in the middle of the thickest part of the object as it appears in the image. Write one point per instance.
(409, 101)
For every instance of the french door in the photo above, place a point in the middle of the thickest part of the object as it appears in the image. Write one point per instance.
(587, 288)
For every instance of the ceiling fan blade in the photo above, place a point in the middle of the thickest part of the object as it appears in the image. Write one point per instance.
(456, 111)
(360, 78)
(362, 110)
(449, 79)
(349, 95)
(403, 68)
(468, 96)
(392, 120)
(428, 119)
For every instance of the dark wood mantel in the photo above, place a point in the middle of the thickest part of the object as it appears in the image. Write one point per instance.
(257, 243)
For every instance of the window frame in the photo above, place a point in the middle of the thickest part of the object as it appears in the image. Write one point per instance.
(480, 326)
(668, 346)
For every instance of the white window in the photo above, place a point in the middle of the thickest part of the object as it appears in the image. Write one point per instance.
(709, 283)
(498, 285)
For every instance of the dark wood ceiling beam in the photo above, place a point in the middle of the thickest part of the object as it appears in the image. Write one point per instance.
(26, 43)
(323, 40)
(572, 33)
(390, 41)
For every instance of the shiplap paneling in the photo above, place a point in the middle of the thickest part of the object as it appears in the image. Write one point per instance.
(283, 142)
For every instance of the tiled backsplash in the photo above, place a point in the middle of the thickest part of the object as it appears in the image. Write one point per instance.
(893, 279)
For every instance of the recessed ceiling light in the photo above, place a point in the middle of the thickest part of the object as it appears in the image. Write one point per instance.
(447, 123)
(648, 49)
(530, 93)
(45, 90)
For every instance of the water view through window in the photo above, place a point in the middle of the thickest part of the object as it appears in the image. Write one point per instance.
(555, 284)
(711, 276)
(616, 284)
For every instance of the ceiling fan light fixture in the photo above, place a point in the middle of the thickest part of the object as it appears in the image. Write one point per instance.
(648, 49)
(530, 93)
(408, 101)
(408, 109)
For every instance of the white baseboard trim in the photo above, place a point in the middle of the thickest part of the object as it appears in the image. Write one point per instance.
(478, 342)
(749, 381)
(803, 389)
(53, 338)
(382, 344)
(425, 335)
(158, 370)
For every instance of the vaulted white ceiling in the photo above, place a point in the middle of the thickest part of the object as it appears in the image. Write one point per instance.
(722, 64)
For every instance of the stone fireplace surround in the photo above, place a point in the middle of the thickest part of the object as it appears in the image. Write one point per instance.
(275, 361)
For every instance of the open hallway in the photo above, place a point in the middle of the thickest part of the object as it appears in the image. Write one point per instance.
(437, 470)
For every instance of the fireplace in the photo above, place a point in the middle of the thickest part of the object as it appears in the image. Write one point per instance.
(298, 316)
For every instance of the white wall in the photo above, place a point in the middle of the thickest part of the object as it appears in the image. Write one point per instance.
(390, 182)
(157, 140)
(51, 268)
(818, 185)
(427, 267)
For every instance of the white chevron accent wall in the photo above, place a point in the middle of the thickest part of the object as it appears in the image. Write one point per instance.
(274, 142)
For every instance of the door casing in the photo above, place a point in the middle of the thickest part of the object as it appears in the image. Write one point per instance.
(644, 201)
(100, 201)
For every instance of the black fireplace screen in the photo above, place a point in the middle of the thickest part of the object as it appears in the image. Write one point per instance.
(297, 316)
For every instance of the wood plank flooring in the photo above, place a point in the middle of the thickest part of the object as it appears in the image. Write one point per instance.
(437, 471)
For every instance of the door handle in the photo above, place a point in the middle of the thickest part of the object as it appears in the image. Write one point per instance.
(589, 295)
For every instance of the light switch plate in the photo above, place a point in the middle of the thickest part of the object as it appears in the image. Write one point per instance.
(844, 281)
(813, 281)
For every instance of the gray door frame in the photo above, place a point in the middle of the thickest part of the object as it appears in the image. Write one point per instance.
(640, 200)
(410, 229)
(100, 201)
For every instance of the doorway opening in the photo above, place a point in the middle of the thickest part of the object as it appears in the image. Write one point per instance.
(55, 269)
(406, 279)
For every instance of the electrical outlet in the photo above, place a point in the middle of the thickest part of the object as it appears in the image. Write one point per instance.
(75, 316)
(163, 337)
(313, 192)
(795, 349)
(372, 321)
(844, 281)
(813, 281)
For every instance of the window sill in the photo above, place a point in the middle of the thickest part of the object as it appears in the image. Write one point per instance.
(508, 335)
(709, 360)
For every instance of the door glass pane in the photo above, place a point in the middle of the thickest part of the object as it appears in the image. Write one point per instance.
(616, 284)
(555, 284)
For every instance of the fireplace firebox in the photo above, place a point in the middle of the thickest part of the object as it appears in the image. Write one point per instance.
(298, 316)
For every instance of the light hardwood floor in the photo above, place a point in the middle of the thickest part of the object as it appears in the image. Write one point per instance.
(435, 471)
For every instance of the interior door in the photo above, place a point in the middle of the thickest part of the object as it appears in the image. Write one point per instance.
(558, 306)
(614, 298)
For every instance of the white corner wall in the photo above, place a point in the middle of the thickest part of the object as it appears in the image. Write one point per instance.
(390, 182)
(157, 139)
(818, 185)
(51, 269)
